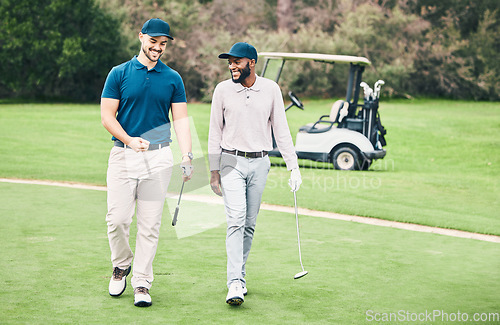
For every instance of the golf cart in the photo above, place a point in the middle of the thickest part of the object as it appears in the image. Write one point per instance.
(351, 136)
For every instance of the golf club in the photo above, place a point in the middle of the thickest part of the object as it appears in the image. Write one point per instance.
(377, 87)
(174, 220)
(367, 90)
(303, 273)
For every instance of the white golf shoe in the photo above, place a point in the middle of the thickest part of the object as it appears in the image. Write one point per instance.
(142, 297)
(235, 294)
(118, 281)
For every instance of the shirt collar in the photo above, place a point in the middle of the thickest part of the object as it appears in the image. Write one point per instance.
(255, 87)
(138, 65)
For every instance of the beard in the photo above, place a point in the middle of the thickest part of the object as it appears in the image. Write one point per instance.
(243, 74)
(146, 52)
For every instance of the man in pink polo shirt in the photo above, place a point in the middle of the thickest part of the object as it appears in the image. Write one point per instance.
(244, 109)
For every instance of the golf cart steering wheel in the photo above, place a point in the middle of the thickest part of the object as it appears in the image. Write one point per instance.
(295, 101)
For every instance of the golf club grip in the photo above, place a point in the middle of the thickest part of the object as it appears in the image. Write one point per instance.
(174, 220)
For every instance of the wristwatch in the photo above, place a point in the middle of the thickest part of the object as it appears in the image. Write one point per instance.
(189, 154)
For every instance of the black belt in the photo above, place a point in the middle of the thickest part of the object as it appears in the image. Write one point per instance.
(258, 154)
(120, 144)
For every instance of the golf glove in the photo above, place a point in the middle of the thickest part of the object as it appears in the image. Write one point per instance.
(187, 169)
(295, 180)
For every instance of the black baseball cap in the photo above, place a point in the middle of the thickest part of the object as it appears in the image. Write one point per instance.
(241, 50)
(156, 27)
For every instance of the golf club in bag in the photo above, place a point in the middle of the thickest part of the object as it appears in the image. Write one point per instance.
(174, 220)
(303, 273)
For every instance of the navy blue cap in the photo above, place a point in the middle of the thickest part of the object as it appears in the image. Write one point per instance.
(241, 50)
(156, 27)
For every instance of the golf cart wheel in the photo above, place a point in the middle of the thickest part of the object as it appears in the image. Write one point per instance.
(346, 158)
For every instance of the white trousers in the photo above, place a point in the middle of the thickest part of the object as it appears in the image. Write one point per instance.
(136, 180)
(243, 181)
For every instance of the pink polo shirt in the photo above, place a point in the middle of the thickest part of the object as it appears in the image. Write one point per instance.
(241, 119)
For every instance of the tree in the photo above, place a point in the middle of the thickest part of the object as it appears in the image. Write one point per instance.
(56, 48)
(284, 13)
(65, 48)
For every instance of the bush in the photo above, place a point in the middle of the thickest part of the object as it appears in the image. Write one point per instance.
(56, 48)
(63, 48)
(460, 68)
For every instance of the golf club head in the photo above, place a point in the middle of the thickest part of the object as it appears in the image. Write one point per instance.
(378, 84)
(366, 88)
(300, 275)
(377, 87)
(174, 220)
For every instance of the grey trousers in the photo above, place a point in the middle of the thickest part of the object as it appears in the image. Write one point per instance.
(243, 181)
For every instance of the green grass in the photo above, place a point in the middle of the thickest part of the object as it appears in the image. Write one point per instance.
(54, 141)
(55, 269)
(442, 167)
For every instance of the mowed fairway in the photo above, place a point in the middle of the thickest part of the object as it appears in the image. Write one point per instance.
(442, 169)
(55, 269)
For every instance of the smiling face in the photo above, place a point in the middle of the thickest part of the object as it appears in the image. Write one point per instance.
(241, 68)
(152, 47)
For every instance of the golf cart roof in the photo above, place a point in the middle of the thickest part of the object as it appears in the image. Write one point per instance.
(316, 57)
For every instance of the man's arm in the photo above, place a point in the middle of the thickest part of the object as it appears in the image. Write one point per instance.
(284, 140)
(180, 121)
(214, 140)
(282, 131)
(109, 107)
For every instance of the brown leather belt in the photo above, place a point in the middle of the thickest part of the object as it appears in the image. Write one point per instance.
(258, 154)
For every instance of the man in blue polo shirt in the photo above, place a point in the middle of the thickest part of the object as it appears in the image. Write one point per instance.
(135, 104)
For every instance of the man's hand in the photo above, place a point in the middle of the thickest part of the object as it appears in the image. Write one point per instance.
(215, 182)
(295, 180)
(138, 144)
(187, 169)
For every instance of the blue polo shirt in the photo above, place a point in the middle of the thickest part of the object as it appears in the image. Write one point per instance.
(145, 98)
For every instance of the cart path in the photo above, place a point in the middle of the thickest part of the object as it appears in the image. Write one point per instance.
(279, 208)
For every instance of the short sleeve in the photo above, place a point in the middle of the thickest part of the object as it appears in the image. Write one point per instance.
(112, 85)
(179, 95)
